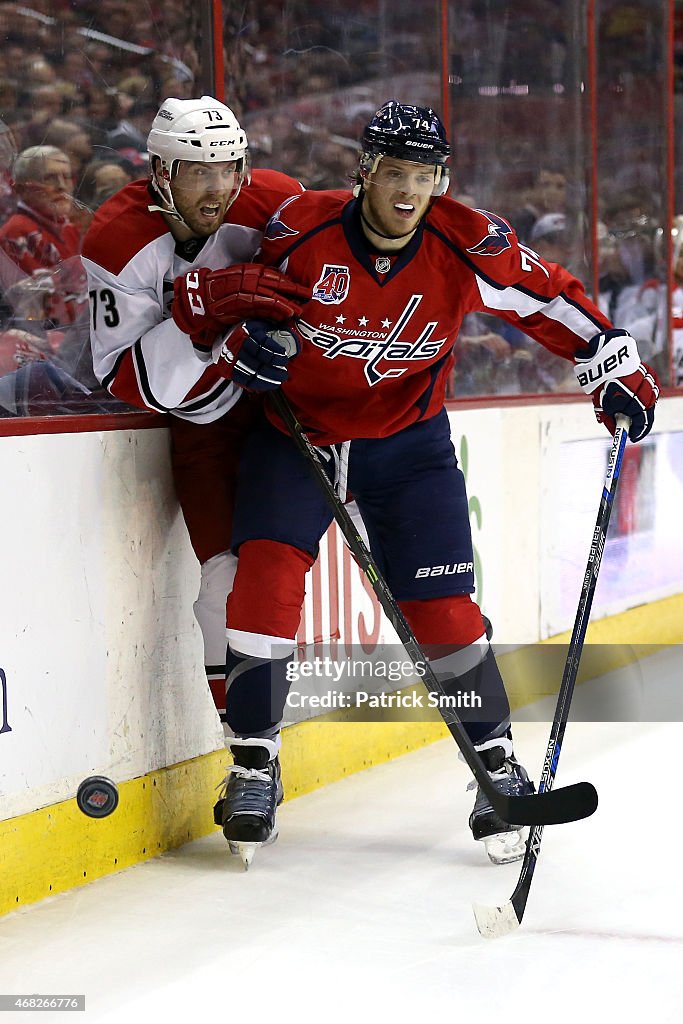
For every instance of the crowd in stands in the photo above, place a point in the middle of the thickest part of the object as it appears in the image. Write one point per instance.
(81, 80)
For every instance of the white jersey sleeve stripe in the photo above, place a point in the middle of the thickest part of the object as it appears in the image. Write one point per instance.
(206, 411)
(523, 303)
(200, 401)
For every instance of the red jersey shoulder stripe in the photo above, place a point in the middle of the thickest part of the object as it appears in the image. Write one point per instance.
(112, 249)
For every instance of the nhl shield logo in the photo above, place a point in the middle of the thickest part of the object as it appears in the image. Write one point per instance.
(333, 284)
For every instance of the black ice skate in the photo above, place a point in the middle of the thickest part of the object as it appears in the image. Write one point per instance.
(504, 842)
(251, 792)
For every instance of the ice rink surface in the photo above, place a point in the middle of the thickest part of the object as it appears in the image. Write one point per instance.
(361, 911)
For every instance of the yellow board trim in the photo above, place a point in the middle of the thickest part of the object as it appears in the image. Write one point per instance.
(57, 848)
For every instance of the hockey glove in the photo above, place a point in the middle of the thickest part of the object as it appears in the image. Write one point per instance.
(251, 357)
(206, 301)
(610, 371)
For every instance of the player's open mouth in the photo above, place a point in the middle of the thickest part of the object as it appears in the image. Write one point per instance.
(405, 210)
(210, 210)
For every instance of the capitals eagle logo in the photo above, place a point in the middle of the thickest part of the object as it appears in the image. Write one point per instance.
(276, 227)
(495, 241)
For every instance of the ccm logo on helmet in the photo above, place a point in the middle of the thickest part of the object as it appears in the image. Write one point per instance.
(597, 372)
(444, 570)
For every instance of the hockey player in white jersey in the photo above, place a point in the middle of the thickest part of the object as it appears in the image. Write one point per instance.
(202, 213)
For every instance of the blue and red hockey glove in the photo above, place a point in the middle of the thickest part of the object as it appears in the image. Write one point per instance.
(251, 355)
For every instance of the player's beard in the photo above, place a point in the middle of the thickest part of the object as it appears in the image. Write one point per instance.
(190, 211)
(198, 225)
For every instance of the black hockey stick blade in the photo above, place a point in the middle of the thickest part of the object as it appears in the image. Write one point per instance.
(569, 803)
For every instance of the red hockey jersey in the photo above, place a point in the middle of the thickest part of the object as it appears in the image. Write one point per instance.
(132, 260)
(35, 242)
(377, 336)
(48, 250)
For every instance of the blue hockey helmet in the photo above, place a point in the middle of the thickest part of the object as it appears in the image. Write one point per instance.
(406, 132)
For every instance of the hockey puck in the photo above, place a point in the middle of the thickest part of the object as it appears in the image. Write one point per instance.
(97, 797)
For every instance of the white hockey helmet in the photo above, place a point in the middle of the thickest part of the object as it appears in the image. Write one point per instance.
(204, 130)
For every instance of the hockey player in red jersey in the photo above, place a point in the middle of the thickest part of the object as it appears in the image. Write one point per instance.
(392, 270)
(200, 212)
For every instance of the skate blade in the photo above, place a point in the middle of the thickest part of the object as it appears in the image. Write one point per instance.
(506, 847)
(246, 851)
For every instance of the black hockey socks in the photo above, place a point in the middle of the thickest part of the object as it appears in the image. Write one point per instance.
(472, 675)
(257, 690)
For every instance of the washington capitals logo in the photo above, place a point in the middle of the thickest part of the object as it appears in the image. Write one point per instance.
(378, 349)
(496, 241)
(276, 227)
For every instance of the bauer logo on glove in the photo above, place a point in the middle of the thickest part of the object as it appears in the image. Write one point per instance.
(611, 372)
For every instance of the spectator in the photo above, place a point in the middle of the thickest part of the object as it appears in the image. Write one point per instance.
(8, 152)
(677, 303)
(129, 137)
(551, 239)
(102, 113)
(548, 195)
(632, 286)
(41, 239)
(73, 140)
(102, 178)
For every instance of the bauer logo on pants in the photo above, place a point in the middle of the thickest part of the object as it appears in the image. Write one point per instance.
(444, 570)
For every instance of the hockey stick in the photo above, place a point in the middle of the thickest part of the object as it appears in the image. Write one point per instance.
(493, 922)
(567, 804)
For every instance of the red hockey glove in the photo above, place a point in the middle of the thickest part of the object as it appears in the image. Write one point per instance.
(255, 355)
(206, 301)
(610, 371)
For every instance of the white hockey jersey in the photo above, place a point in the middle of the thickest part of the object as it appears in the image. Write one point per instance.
(132, 259)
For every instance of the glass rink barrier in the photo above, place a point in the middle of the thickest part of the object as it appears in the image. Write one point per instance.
(564, 118)
(79, 85)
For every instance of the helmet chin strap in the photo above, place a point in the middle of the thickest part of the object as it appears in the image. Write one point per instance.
(169, 208)
(169, 213)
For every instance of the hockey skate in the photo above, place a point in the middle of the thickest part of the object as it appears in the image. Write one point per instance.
(250, 795)
(504, 843)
